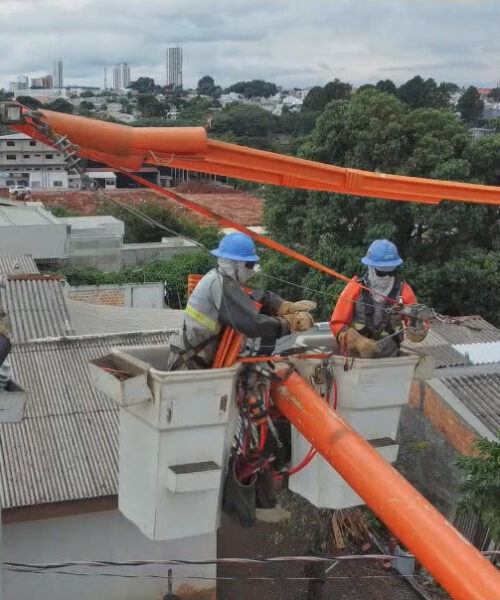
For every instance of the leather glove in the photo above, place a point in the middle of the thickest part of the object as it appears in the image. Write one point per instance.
(416, 333)
(288, 308)
(299, 321)
(359, 345)
(395, 316)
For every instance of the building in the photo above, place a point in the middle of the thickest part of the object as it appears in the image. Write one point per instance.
(23, 82)
(43, 83)
(40, 166)
(173, 67)
(121, 76)
(58, 74)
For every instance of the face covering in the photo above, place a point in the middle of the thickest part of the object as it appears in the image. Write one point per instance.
(236, 270)
(382, 285)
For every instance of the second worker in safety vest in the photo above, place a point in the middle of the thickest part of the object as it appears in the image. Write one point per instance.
(365, 320)
(220, 300)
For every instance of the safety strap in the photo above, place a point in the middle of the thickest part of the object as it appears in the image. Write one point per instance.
(368, 328)
(191, 353)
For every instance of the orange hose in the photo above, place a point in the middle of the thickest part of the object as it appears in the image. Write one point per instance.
(451, 559)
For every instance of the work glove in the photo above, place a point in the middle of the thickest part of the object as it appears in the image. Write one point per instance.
(395, 316)
(416, 333)
(4, 325)
(288, 308)
(358, 345)
(299, 321)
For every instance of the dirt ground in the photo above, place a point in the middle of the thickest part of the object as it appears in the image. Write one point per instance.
(296, 535)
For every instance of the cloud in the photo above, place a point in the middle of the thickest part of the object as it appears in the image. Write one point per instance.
(292, 42)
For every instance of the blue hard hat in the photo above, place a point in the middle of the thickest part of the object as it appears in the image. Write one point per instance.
(236, 246)
(383, 255)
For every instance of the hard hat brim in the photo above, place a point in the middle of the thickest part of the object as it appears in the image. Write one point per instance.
(386, 264)
(228, 255)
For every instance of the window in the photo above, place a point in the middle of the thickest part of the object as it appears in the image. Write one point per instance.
(57, 183)
(11, 143)
(38, 155)
(32, 143)
(26, 155)
(49, 156)
(10, 182)
(49, 168)
(25, 175)
(11, 157)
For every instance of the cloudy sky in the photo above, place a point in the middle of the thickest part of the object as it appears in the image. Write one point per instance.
(290, 42)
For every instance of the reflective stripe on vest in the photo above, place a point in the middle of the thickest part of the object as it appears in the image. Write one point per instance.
(207, 322)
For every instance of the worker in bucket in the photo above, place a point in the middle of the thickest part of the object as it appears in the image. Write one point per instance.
(219, 299)
(369, 322)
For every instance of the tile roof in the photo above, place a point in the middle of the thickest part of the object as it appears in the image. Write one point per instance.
(480, 394)
(17, 263)
(35, 308)
(66, 448)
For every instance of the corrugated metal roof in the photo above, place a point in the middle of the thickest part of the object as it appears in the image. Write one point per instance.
(480, 353)
(88, 319)
(17, 263)
(446, 356)
(481, 395)
(36, 309)
(66, 448)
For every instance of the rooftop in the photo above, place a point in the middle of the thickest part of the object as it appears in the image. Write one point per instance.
(25, 216)
(17, 263)
(66, 447)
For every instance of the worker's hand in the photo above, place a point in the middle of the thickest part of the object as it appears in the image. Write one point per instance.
(299, 321)
(288, 308)
(416, 333)
(358, 345)
(395, 316)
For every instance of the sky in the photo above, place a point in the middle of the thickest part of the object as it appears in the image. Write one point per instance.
(294, 43)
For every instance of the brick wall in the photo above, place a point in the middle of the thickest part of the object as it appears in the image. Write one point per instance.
(444, 419)
(106, 297)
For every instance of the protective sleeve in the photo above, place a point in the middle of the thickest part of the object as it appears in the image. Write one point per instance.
(269, 300)
(237, 310)
(343, 312)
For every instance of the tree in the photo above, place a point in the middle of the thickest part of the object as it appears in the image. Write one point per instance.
(253, 89)
(245, 124)
(388, 86)
(86, 105)
(377, 132)
(484, 158)
(87, 94)
(29, 102)
(5, 95)
(60, 105)
(418, 93)
(480, 487)
(337, 90)
(206, 86)
(471, 106)
(143, 85)
(315, 99)
(149, 106)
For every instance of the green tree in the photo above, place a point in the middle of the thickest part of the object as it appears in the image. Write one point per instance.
(420, 93)
(484, 158)
(253, 89)
(337, 90)
(470, 105)
(86, 105)
(481, 485)
(247, 125)
(316, 99)
(87, 94)
(206, 86)
(60, 105)
(143, 85)
(377, 132)
(388, 86)
(150, 106)
(29, 102)
(5, 95)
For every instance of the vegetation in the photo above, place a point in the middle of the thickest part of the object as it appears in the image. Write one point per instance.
(481, 484)
(172, 273)
(451, 251)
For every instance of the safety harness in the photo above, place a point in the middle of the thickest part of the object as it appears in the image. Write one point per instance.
(365, 311)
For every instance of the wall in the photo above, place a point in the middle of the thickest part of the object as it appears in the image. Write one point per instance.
(139, 254)
(100, 250)
(103, 535)
(147, 295)
(41, 241)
